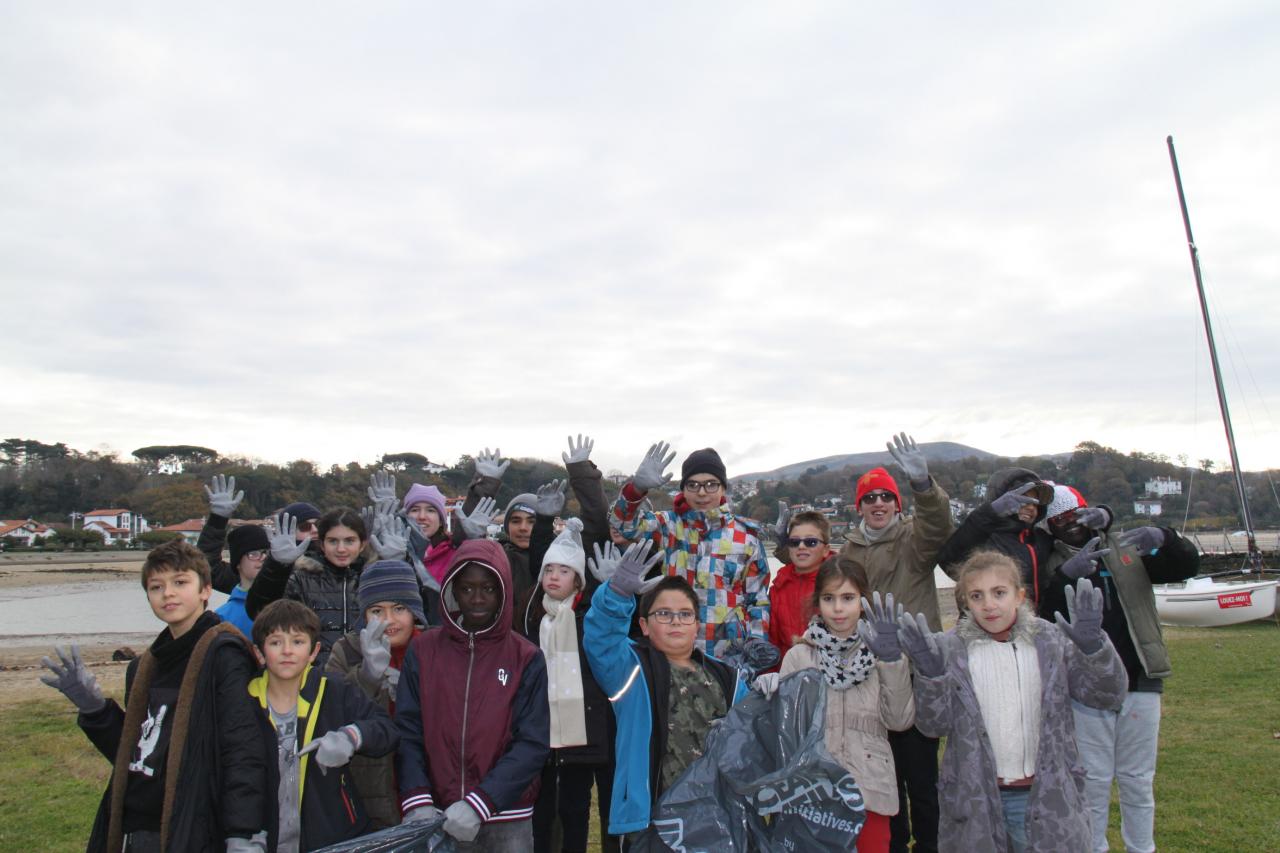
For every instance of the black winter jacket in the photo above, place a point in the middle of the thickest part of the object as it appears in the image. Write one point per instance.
(212, 542)
(326, 589)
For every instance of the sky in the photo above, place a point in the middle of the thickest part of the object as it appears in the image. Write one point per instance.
(333, 231)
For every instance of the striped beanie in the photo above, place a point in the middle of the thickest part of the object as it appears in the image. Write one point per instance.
(390, 580)
(1065, 499)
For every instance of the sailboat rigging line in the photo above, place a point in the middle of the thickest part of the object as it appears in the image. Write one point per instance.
(1254, 558)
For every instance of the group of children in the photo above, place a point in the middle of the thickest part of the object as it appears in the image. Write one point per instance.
(403, 671)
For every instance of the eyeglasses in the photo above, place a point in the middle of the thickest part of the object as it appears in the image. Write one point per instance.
(667, 617)
(808, 542)
(883, 497)
(304, 526)
(256, 555)
(709, 487)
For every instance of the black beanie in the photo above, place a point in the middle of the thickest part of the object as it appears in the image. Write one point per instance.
(704, 461)
(301, 511)
(246, 538)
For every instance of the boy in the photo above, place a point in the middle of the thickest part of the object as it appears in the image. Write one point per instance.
(472, 711)
(666, 693)
(187, 751)
(309, 713)
(249, 546)
(807, 545)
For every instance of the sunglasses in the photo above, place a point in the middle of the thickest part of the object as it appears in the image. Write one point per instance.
(808, 542)
(304, 526)
(883, 497)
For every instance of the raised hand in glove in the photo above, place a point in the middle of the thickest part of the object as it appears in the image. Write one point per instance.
(920, 645)
(461, 821)
(911, 460)
(335, 748)
(550, 498)
(74, 680)
(1013, 500)
(605, 562)
(382, 489)
(1084, 606)
(1085, 561)
(1093, 517)
(1145, 540)
(491, 464)
(652, 471)
(781, 528)
(285, 546)
(391, 542)
(579, 452)
(878, 627)
(222, 495)
(376, 651)
(476, 525)
(628, 578)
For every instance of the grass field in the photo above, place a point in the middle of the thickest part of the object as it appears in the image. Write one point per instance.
(1217, 787)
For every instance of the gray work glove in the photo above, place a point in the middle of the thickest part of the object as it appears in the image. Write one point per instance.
(476, 525)
(920, 645)
(1093, 517)
(247, 845)
(550, 498)
(878, 627)
(766, 683)
(334, 748)
(1085, 561)
(285, 547)
(74, 680)
(911, 460)
(393, 679)
(382, 489)
(1013, 500)
(1145, 540)
(421, 814)
(391, 542)
(222, 495)
(579, 452)
(628, 578)
(1084, 606)
(781, 528)
(490, 464)
(376, 650)
(651, 473)
(605, 562)
(461, 821)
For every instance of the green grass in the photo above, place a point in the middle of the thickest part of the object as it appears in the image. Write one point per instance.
(1217, 786)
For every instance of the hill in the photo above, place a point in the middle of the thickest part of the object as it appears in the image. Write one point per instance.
(935, 451)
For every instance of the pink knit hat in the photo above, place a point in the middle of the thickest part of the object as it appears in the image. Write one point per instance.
(419, 493)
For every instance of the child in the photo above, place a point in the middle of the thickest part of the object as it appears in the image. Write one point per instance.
(868, 688)
(309, 713)
(189, 767)
(581, 746)
(999, 687)
(425, 507)
(471, 707)
(370, 658)
(249, 547)
(665, 692)
(791, 596)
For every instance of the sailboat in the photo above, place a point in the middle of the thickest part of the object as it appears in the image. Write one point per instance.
(1214, 600)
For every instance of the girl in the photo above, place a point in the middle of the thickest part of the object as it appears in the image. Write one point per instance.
(327, 585)
(999, 687)
(791, 596)
(370, 658)
(425, 507)
(581, 720)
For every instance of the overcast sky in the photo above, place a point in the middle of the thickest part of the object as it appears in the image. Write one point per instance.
(784, 230)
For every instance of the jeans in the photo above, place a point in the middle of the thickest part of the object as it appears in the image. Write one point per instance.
(507, 836)
(1122, 746)
(566, 793)
(915, 760)
(1014, 802)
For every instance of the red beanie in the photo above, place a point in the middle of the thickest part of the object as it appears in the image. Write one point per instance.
(876, 478)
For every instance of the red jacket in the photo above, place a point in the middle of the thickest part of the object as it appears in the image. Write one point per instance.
(472, 709)
(791, 605)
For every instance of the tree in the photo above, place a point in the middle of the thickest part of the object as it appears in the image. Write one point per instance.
(1206, 465)
(77, 540)
(174, 456)
(404, 461)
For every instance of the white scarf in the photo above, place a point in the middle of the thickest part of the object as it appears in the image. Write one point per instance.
(558, 636)
(840, 669)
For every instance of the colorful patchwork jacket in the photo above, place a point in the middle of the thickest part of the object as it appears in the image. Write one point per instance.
(717, 552)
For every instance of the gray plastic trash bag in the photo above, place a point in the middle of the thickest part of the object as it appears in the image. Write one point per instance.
(422, 837)
(765, 782)
(751, 657)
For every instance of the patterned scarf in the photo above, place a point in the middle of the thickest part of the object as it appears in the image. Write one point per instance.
(558, 636)
(840, 669)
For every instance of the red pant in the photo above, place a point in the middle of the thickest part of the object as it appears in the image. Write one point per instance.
(874, 837)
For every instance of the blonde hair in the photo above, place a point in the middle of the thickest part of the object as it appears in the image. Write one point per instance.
(985, 560)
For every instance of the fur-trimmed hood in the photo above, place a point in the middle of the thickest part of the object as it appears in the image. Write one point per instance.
(1025, 627)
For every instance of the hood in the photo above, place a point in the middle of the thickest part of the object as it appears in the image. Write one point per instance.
(1024, 629)
(1010, 478)
(490, 555)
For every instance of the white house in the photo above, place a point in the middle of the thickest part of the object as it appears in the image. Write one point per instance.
(115, 524)
(1162, 486)
(27, 530)
(1147, 506)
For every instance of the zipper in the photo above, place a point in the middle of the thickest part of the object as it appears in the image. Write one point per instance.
(1035, 568)
(344, 605)
(466, 700)
(1022, 722)
(346, 801)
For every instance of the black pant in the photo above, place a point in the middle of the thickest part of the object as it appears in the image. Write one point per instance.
(915, 757)
(566, 794)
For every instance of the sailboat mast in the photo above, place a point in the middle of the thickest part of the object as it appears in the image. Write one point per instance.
(1255, 558)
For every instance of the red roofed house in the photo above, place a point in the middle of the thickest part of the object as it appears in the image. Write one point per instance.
(190, 529)
(27, 530)
(115, 524)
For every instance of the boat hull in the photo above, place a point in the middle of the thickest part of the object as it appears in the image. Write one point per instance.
(1205, 603)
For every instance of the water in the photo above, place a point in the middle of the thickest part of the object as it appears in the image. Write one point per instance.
(101, 607)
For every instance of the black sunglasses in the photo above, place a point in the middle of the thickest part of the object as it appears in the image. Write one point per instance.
(808, 542)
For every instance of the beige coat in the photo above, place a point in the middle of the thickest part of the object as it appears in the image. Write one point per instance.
(858, 723)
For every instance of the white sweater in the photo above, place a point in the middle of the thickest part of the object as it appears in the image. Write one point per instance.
(1006, 679)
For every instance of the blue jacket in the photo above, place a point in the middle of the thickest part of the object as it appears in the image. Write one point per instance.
(233, 611)
(637, 679)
